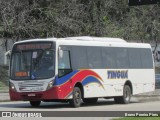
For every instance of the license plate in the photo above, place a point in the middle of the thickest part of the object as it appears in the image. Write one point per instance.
(30, 95)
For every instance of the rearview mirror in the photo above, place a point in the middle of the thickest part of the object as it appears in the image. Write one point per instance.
(7, 56)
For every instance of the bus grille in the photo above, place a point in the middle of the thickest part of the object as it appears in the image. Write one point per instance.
(31, 87)
(31, 84)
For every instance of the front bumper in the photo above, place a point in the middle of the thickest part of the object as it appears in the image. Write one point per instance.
(50, 94)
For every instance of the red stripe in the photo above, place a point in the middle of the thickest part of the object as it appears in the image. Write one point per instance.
(67, 88)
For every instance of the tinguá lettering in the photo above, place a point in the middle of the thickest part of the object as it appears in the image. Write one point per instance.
(117, 74)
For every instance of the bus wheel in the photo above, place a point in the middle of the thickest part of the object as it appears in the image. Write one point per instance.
(35, 103)
(125, 99)
(77, 96)
(90, 100)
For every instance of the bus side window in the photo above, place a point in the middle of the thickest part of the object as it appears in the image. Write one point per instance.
(64, 64)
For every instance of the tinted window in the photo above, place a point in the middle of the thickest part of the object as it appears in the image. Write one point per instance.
(134, 58)
(146, 57)
(122, 58)
(94, 57)
(109, 58)
(79, 57)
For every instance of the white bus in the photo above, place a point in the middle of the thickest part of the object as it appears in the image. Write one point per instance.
(77, 69)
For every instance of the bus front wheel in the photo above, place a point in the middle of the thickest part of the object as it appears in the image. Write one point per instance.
(35, 103)
(125, 99)
(77, 96)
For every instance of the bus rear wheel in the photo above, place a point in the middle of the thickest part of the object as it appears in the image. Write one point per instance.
(35, 103)
(77, 96)
(125, 99)
(90, 100)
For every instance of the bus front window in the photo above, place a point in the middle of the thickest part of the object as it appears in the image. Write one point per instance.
(36, 64)
(42, 64)
(20, 68)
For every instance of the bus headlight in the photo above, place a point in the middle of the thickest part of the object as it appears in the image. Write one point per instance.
(50, 84)
(11, 86)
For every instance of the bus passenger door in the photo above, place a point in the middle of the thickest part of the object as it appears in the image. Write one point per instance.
(64, 75)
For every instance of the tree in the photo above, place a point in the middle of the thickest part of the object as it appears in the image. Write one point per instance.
(24, 19)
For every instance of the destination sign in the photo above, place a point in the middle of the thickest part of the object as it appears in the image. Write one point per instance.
(32, 46)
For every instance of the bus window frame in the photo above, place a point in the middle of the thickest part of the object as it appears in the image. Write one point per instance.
(53, 47)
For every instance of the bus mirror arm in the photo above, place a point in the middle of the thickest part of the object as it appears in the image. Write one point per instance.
(7, 54)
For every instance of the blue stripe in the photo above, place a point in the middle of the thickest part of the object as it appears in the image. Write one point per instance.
(65, 78)
(90, 79)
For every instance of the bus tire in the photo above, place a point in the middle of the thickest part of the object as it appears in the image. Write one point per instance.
(35, 103)
(90, 100)
(125, 99)
(77, 96)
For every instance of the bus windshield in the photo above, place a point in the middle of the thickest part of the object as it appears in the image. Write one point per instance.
(33, 64)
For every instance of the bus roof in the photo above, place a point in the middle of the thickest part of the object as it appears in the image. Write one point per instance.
(91, 41)
(99, 39)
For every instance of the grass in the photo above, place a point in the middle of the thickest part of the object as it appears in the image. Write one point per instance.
(138, 118)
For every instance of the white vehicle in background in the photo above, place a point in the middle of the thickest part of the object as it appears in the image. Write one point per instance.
(80, 68)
